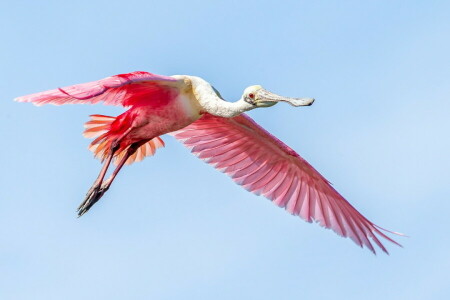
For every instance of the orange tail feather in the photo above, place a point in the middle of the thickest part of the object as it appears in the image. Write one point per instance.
(98, 127)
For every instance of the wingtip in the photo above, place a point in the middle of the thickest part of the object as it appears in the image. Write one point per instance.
(26, 99)
(393, 232)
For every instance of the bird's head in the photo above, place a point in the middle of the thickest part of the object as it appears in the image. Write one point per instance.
(257, 96)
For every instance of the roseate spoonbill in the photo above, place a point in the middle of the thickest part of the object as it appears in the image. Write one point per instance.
(217, 131)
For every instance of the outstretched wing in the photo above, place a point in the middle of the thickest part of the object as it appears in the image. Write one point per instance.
(264, 165)
(123, 89)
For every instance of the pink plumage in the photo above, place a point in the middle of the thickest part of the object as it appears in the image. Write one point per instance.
(217, 132)
(264, 165)
(113, 90)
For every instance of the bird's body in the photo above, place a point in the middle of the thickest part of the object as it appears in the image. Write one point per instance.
(168, 111)
(217, 131)
(155, 111)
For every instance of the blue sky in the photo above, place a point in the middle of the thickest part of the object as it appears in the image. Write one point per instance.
(172, 227)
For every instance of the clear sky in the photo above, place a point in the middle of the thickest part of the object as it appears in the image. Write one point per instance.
(172, 227)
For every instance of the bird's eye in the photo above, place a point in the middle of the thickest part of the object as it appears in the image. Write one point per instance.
(251, 95)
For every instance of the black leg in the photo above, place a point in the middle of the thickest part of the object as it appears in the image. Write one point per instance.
(100, 187)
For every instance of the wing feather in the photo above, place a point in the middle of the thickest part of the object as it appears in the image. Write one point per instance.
(122, 89)
(264, 165)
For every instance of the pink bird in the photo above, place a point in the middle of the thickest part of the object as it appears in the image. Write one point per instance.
(215, 130)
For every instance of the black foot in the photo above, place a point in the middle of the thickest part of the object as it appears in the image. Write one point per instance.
(93, 195)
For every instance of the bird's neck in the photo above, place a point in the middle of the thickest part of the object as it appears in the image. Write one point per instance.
(211, 101)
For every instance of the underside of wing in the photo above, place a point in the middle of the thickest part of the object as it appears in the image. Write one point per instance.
(122, 89)
(264, 165)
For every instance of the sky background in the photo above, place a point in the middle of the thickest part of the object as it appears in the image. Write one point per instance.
(172, 227)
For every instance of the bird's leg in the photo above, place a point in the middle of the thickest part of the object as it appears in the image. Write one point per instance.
(130, 151)
(101, 176)
(93, 194)
(99, 189)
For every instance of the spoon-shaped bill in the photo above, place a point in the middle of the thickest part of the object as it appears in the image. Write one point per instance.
(266, 98)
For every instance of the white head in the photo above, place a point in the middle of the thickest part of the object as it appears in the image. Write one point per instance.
(254, 96)
(257, 96)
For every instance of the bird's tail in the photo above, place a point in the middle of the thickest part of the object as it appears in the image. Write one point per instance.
(99, 128)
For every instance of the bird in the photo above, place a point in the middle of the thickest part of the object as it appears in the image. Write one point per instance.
(218, 132)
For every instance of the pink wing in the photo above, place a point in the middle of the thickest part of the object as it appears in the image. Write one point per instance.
(266, 166)
(122, 89)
